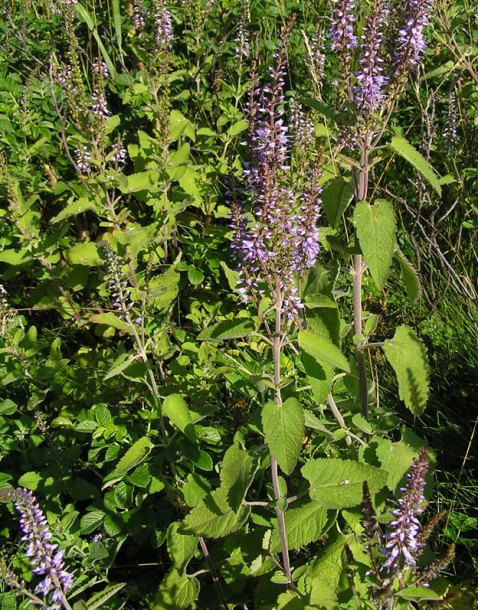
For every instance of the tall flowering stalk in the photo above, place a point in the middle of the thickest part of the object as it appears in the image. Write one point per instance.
(275, 237)
(394, 556)
(45, 558)
(391, 44)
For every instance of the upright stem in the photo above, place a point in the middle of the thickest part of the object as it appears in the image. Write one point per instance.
(276, 353)
(358, 268)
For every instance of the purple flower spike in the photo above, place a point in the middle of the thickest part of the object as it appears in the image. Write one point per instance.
(44, 557)
(368, 93)
(410, 41)
(342, 32)
(403, 546)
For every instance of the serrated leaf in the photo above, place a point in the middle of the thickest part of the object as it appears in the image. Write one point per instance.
(90, 521)
(213, 518)
(323, 350)
(181, 547)
(376, 229)
(409, 275)
(112, 320)
(100, 598)
(136, 454)
(228, 329)
(408, 152)
(283, 427)
(177, 592)
(177, 411)
(337, 483)
(336, 198)
(304, 524)
(72, 209)
(236, 475)
(396, 459)
(121, 363)
(407, 355)
(84, 254)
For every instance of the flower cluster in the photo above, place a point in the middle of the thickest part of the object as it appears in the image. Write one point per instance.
(368, 93)
(117, 283)
(383, 65)
(163, 28)
(119, 154)
(403, 544)
(139, 15)
(83, 159)
(7, 314)
(279, 241)
(46, 559)
(99, 106)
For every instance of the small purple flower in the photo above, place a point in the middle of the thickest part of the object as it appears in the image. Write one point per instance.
(44, 557)
(119, 154)
(63, 77)
(100, 107)
(368, 93)
(83, 160)
(163, 27)
(403, 546)
(99, 67)
(342, 33)
(139, 16)
(410, 41)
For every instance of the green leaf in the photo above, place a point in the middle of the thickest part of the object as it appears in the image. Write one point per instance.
(72, 209)
(325, 573)
(141, 181)
(407, 355)
(237, 128)
(195, 276)
(228, 329)
(304, 524)
(236, 475)
(103, 596)
(396, 459)
(179, 125)
(177, 411)
(284, 431)
(136, 454)
(84, 254)
(418, 593)
(323, 350)
(177, 592)
(120, 364)
(376, 230)
(336, 198)
(181, 547)
(232, 276)
(30, 480)
(112, 320)
(90, 521)
(409, 275)
(337, 483)
(403, 147)
(213, 518)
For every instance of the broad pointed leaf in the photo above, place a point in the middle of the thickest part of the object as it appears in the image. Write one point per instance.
(376, 230)
(284, 431)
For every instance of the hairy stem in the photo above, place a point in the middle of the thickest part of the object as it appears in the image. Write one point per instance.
(358, 269)
(276, 353)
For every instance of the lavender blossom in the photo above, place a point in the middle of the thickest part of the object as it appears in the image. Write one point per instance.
(83, 159)
(163, 27)
(119, 154)
(100, 107)
(44, 556)
(139, 16)
(410, 41)
(118, 284)
(403, 545)
(99, 67)
(368, 93)
(242, 42)
(278, 241)
(342, 32)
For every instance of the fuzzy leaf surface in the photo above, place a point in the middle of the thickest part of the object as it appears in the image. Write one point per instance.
(177, 411)
(407, 355)
(323, 350)
(304, 525)
(376, 229)
(236, 475)
(284, 431)
(336, 483)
